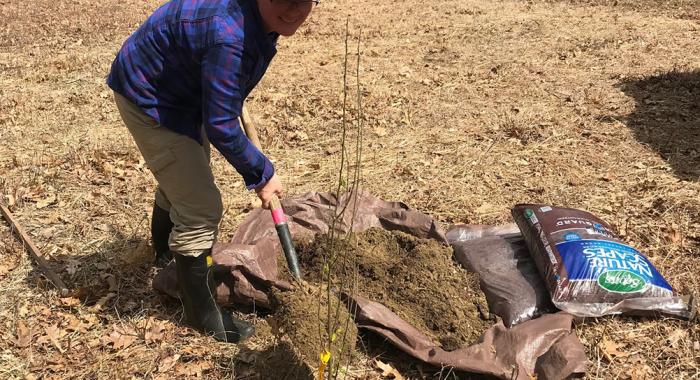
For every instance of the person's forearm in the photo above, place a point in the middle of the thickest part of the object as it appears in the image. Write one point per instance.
(255, 168)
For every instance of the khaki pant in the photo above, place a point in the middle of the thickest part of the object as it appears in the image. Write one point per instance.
(185, 182)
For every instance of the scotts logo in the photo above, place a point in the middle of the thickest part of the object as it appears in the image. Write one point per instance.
(621, 281)
(530, 215)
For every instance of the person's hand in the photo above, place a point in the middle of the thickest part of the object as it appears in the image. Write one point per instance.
(272, 187)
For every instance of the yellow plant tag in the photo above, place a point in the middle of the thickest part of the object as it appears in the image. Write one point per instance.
(321, 371)
(325, 357)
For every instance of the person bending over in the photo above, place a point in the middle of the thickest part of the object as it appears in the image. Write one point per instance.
(179, 84)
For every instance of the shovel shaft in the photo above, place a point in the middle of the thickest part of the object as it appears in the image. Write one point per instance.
(276, 210)
(288, 247)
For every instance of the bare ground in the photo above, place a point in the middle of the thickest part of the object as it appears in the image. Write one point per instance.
(469, 107)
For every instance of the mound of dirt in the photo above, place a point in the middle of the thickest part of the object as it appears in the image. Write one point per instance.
(415, 278)
(302, 316)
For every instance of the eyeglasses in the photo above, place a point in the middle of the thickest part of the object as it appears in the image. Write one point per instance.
(296, 3)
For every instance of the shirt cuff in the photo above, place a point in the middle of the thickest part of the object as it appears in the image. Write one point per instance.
(268, 172)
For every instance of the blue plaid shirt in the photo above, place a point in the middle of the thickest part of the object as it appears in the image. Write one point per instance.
(193, 63)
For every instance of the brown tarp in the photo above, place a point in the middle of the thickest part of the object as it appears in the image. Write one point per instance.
(544, 346)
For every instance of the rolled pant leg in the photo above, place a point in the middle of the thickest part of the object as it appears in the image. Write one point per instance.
(185, 181)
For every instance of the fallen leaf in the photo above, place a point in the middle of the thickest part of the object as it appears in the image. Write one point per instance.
(120, 339)
(673, 235)
(168, 363)
(7, 267)
(73, 323)
(380, 131)
(43, 311)
(45, 202)
(192, 369)
(300, 135)
(676, 336)
(55, 334)
(388, 371)
(488, 208)
(640, 372)
(56, 361)
(155, 332)
(69, 301)
(611, 349)
(24, 335)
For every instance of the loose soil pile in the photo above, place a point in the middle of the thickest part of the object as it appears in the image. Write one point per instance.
(302, 314)
(415, 278)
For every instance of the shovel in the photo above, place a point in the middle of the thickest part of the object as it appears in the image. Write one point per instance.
(278, 216)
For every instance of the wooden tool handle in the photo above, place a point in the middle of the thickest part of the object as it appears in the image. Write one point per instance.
(249, 128)
(275, 202)
(34, 251)
(252, 133)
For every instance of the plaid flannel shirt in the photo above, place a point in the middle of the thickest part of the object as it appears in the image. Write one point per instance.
(193, 63)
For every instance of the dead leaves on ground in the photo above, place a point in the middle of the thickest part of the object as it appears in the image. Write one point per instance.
(23, 335)
(44, 327)
(120, 338)
(181, 368)
(42, 197)
(676, 336)
(155, 330)
(53, 334)
(611, 349)
(7, 266)
(168, 363)
(63, 338)
(151, 331)
(388, 371)
(635, 364)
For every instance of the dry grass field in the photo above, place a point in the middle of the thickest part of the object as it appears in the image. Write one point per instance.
(469, 107)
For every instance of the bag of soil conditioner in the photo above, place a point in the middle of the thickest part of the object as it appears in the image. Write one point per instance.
(588, 270)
